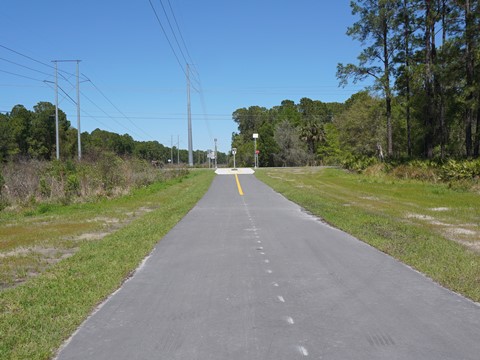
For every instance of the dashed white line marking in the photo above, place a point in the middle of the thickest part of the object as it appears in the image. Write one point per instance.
(280, 298)
(267, 261)
(259, 242)
(275, 284)
(269, 271)
(302, 350)
(262, 253)
(290, 320)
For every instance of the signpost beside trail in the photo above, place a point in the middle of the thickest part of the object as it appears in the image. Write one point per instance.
(234, 152)
(255, 156)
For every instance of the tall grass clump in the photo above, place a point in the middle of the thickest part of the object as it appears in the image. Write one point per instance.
(25, 183)
(455, 173)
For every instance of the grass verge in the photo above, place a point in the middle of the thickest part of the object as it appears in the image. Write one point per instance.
(430, 227)
(39, 236)
(37, 316)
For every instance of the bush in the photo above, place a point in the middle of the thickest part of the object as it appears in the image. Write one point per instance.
(358, 163)
(458, 173)
(460, 170)
(415, 170)
(33, 183)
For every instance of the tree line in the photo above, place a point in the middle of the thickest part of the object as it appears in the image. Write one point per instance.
(424, 57)
(26, 134)
(289, 134)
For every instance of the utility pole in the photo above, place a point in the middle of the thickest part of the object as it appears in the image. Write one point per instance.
(215, 154)
(178, 149)
(171, 148)
(78, 114)
(57, 141)
(189, 112)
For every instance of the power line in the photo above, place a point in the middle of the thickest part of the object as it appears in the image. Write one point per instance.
(166, 36)
(173, 31)
(116, 108)
(68, 81)
(108, 115)
(32, 59)
(26, 67)
(178, 27)
(83, 111)
(22, 76)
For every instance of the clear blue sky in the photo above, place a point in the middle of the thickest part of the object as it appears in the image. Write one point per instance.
(250, 52)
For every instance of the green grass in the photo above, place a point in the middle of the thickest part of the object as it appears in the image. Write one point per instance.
(34, 238)
(430, 227)
(37, 316)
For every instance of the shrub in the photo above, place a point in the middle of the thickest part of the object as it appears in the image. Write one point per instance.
(358, 163)
(460, 170)
(73, 185)
(33, 183)
(415, 170)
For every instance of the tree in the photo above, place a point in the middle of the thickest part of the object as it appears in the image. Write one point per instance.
(291, 151)
(360, 127)
(42, 141)
(374, 27)
(267, 145)
(314, 115)
(249, 120)
(471, 22)
(406, 24)
(6, 138)
(20, 125)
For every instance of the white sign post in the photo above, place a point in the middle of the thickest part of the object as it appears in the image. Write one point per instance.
(255, 155)
(234, 152)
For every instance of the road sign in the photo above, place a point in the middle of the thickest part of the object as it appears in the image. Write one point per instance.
(257, 152)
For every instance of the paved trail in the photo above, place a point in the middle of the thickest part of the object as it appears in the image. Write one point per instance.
(253, 277)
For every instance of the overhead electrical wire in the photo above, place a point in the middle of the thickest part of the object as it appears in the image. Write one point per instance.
(22, 76)
(179, 32)
(35, 60)
(194, 76)
(166, 36)
(82, 110)
(25, 67)
(116, 108)
(66, 95)
(108, 115)
(172, 48)
(173, 31)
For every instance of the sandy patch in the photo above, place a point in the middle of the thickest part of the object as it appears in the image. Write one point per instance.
(91, 236)
(50, 254)
(460, 234)
(372, 198)
(420, 217)
(461, 231)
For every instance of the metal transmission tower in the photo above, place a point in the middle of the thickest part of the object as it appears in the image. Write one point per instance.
(215, 152)
(189, 112)
(78, 113)
(57, 142)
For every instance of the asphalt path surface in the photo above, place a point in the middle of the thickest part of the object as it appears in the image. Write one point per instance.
(252, 276)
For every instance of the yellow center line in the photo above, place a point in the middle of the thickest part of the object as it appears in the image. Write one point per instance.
(240, 191)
